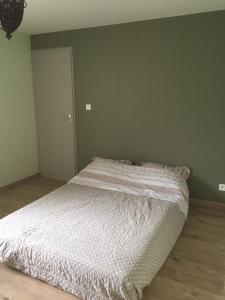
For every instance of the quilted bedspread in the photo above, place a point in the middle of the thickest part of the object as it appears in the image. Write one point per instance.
(91, 242)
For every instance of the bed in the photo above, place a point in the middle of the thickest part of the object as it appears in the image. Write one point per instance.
(104, 235)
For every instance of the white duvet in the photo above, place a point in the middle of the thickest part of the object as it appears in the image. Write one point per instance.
(94, 243)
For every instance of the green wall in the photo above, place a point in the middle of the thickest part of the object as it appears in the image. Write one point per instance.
(158, 93)
(18, 145)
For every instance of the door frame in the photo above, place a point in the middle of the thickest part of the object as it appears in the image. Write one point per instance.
(70, 48)
(74, 107)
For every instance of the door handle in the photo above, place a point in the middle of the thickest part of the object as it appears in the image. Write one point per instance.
(68, 118)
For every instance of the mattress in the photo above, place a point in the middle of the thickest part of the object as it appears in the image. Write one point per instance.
(93, 242)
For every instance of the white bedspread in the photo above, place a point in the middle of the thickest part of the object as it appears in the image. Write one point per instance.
(93, 243)
(103, 236)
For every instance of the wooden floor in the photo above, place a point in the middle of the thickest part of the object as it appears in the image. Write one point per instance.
(195, 270)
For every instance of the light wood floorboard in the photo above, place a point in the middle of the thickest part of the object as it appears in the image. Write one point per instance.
(195, 270)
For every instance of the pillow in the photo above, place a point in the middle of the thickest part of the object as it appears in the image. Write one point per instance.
(122, 161)
(183, 171)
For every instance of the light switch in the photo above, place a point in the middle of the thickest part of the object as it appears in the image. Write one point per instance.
(88, 106)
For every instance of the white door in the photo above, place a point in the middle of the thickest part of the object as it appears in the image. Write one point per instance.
(53, 89)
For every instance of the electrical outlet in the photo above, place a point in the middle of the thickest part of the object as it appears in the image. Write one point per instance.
(222, 187)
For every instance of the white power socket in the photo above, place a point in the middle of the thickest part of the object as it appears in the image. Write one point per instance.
(222, 187)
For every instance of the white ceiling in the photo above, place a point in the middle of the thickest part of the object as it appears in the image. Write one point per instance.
(42, 16)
